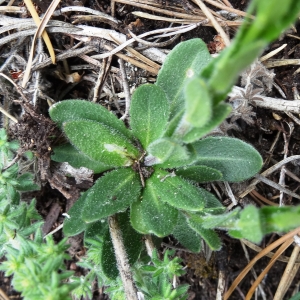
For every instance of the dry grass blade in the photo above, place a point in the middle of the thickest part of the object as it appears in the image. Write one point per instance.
(281, 249)
(270, 254)
(140, 56)
(169, 12)
(212, 19)
(221, 6)
(280, 241)
(160, 18)
(134, 62)
(276, 186)
(272, 53)
(12, 9)
(281, 62)
(255, 194)
(37, 21)
(40, 31)
(268, 172)
(288, 275)
(3, 295)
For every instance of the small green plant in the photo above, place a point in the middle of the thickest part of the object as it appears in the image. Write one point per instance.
(153, 168)
(37, 265)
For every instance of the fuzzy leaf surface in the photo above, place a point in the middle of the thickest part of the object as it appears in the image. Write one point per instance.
(186, 236)
(249, 224)
(210, 237)
(167, 153)
(235, 159)
(199, 173)
(75, 224)
(114, 192)
(68, 153)
(149, 113)
(69, 110)
(158, 217)
(182, 64)
(279, 219)
(219, 114)
(198, 103)
(177, 192)
(100, 143)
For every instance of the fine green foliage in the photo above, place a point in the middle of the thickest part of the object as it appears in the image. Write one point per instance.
(36, 265)
(153, 166)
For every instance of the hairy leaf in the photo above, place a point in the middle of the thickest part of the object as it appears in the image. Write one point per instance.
(149, 113)
(112, 193)
(70, 110)
(235, 159)
(68, 153)
(182, 64)
(177, 192)
(199, 173)
(100, 143)
(198, 103)
(186, 236)
(249, 224)
(74, 224)
(210, 237)
(167, 153)
(158, 217)
(219, 114)
(279, 219)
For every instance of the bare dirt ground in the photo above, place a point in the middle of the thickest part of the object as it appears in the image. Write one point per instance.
(78, 73)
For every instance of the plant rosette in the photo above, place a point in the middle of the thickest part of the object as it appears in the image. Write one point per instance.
(153, 168)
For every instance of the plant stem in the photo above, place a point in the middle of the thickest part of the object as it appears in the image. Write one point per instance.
(122, 260)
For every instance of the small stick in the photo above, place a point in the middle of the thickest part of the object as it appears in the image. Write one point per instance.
(126, 89)
(100, 80)
(8, 115)
(251, 187)
(121, 258)
(283, 169)
(113, 8)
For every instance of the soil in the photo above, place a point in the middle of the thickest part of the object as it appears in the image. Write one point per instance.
(35, 132)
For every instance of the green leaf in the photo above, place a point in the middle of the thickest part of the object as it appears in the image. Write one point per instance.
(112, 193)
(198, 103)
(224, 221)
(136, 219)
(235, 159)
(167, 153)
(280, 219)
(199, 173)
(149, 113)
(95, 231)
(250, 225)
(68, 153)
(186, 236)
(177, 192)
(71, 110)
(132, 243)
(100, 143)
(74, 223)
(158, 217)
(210, 237)
(219, 114)
(182, 64)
